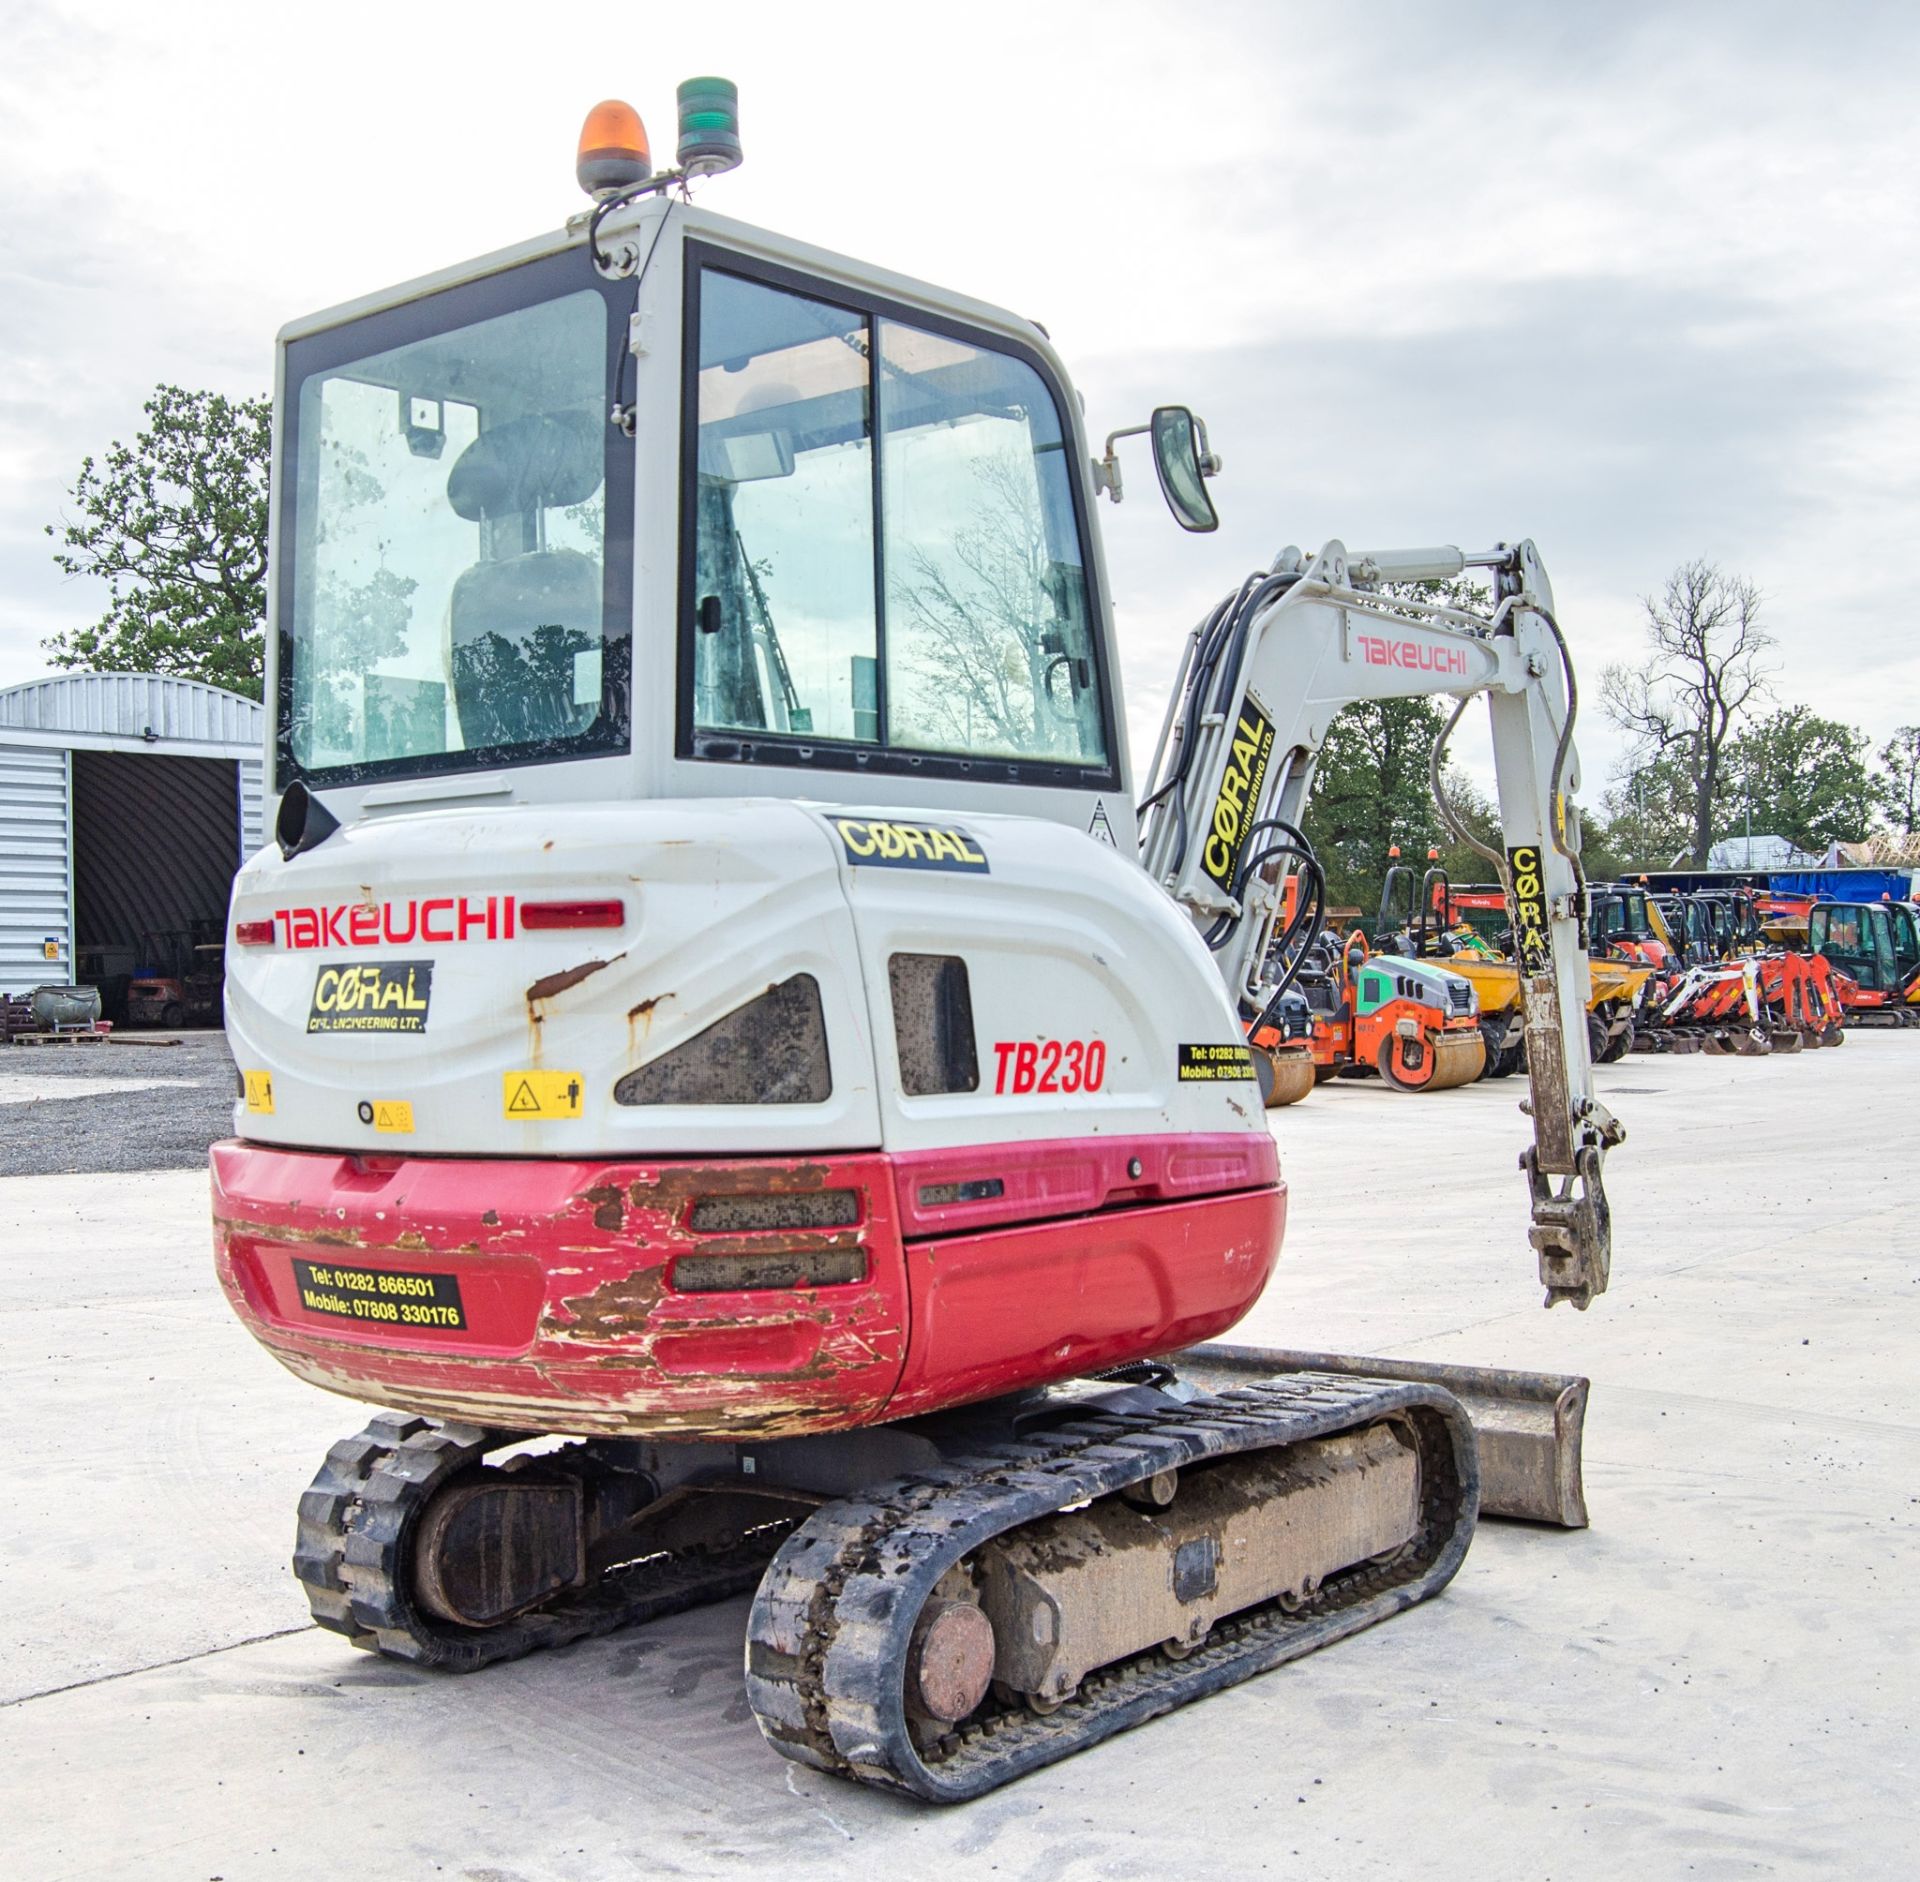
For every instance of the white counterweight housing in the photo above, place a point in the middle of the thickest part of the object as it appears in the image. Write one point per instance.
(1082, 980)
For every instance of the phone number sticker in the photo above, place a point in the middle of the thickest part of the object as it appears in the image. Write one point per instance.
(378, 1297)
(1205, 1064)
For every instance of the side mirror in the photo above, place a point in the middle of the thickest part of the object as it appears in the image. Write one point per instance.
(1181, 457)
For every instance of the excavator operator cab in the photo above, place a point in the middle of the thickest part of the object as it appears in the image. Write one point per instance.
(1875, 942)
(718, 514)
(1619, 915)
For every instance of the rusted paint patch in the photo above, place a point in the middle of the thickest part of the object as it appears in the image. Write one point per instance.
(788, 1243)
(645, 1009)
(609, 1206)
(286, 1232)
(549, 984)
(669, 1188)
(614, 1308)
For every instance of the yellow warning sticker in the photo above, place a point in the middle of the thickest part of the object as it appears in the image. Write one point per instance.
(534, 1095)
(260, 1093)
(393, 1114)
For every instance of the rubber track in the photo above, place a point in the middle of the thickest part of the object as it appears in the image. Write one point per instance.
(828, 1631)
(356, 1522)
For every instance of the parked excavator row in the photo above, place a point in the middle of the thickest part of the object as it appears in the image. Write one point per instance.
(1465, 933)
(1874, 949)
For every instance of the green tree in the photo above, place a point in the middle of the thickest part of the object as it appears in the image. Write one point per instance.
(1898, 784)
(175, 524)
(1705, 675)
(1370, 793)
(1797, 775)
(1646, 817)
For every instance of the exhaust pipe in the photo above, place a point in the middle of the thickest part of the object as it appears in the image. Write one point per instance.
(1528, 1424)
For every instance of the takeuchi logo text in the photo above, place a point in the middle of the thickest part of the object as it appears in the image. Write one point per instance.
(368, 924)
(1414, 656)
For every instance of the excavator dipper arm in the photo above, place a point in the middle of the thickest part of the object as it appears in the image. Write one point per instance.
(1263, 677)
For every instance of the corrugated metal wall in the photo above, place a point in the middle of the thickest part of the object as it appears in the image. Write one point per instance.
(143, 714)
(36, 831)
(253, 806)
(130, 705)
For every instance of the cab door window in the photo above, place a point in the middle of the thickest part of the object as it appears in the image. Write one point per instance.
(786, 633)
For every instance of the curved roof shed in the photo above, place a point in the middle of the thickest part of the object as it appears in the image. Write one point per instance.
(126, 802)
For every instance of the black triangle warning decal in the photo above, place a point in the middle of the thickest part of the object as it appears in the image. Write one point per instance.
(1100, 829)
(523, 1101)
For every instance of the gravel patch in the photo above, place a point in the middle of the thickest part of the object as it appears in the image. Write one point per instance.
(114, 1109)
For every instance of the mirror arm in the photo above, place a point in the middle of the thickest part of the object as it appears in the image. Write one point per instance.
(1106, 468)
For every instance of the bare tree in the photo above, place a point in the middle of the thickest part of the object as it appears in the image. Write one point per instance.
(1706, 672)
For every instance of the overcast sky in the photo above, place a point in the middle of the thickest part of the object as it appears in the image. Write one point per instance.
(1640, 282)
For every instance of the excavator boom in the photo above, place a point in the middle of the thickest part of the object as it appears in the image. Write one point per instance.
(1261, 681)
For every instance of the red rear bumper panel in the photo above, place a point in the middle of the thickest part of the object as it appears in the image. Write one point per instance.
(724, 1300)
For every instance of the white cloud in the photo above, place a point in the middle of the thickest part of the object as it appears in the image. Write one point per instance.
(1639, 282)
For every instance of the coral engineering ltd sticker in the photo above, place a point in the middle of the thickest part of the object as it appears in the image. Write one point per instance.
(383, 1299)
(1239, 800)
(1206, 1064)
(877, 841)
(1532, 940)
(372, 996)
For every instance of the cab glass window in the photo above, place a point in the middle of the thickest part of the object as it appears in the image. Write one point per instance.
(785, 627)
(883, 554)
(446, 599)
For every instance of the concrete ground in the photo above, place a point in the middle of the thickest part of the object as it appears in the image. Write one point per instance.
(132, 1101)
(1717, 1680)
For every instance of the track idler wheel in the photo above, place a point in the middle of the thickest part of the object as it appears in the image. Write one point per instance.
(488, 1549)
(1285, 1076)
(1260, 1526)
(1432, 1061)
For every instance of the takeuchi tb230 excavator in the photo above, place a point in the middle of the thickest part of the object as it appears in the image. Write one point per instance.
(706, 1002)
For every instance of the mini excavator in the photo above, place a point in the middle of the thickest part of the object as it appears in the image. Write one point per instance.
(723, 1067)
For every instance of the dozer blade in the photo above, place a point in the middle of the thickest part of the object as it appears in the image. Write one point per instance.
(1528, 1424)
(1458, 1059)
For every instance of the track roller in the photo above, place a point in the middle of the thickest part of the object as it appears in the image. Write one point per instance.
(413, 1546)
